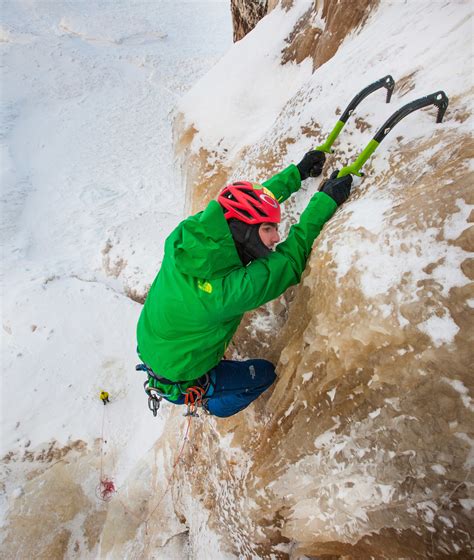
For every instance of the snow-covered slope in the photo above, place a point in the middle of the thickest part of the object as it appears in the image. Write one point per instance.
(363, 448)
(89, 192)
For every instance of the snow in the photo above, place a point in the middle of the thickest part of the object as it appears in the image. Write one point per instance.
(245, 104)
(381, 267)
(262, 323)
(368, 214)
(89, 193)
(463, 391)
(289, 410)
(469, 464)
(90, 190)
(383, 262)
(332, 492)
(458, 222)
(327, 438)
(438, 469)
(428, 510)
(467, 504)
(394, 403)
(442, 330)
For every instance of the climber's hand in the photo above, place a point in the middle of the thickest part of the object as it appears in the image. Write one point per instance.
(312, 164)
(338, 189)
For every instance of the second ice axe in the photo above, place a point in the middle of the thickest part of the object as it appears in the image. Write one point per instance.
(439, 99)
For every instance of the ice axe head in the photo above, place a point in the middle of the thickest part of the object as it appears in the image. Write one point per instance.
(441, 101)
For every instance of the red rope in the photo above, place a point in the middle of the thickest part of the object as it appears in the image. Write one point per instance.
(173, 470)
(102, 445)
(106, 487)
(193, 399)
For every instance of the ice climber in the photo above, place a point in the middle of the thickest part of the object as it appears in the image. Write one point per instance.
(104, 397)
(217, 265)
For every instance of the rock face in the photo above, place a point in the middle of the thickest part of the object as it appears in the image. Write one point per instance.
(309, 37)
(322, 28)
(363, 446)
(245, 15)
(363, 449)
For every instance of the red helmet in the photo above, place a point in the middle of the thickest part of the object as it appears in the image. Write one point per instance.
(249, 203)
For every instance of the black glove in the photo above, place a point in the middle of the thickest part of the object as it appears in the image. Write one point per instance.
(338, 189)
(312, 164)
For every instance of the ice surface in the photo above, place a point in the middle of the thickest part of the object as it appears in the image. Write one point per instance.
(90, 189)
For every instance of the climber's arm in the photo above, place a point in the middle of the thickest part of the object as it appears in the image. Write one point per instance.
(288, 181)
(267, 278)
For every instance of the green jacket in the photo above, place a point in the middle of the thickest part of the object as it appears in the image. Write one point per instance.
(202, 290)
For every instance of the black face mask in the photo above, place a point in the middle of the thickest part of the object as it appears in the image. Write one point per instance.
(247, 241)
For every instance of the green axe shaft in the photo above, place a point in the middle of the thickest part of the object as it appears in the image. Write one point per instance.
(439, 98)
(386, 82)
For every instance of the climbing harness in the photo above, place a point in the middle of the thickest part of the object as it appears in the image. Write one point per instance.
(192, 399)
(152, 374)
(193, 396)
(154, 397)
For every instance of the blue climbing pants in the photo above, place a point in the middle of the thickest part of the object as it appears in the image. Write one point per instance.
(237, 384)
(234, 385)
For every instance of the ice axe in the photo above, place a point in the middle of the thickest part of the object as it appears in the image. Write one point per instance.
(386, 82)
(439, 99)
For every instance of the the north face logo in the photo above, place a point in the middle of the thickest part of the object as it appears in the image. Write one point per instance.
(205, 286)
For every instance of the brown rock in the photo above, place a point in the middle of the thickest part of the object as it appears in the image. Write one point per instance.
(340, 18)
(363, 448)
(245, 15)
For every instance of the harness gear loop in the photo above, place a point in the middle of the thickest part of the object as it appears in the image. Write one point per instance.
(154, 397)
(151, 373)
(193, 396)
(192, 399)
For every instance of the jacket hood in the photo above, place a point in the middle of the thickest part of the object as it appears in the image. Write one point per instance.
(202, 246)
